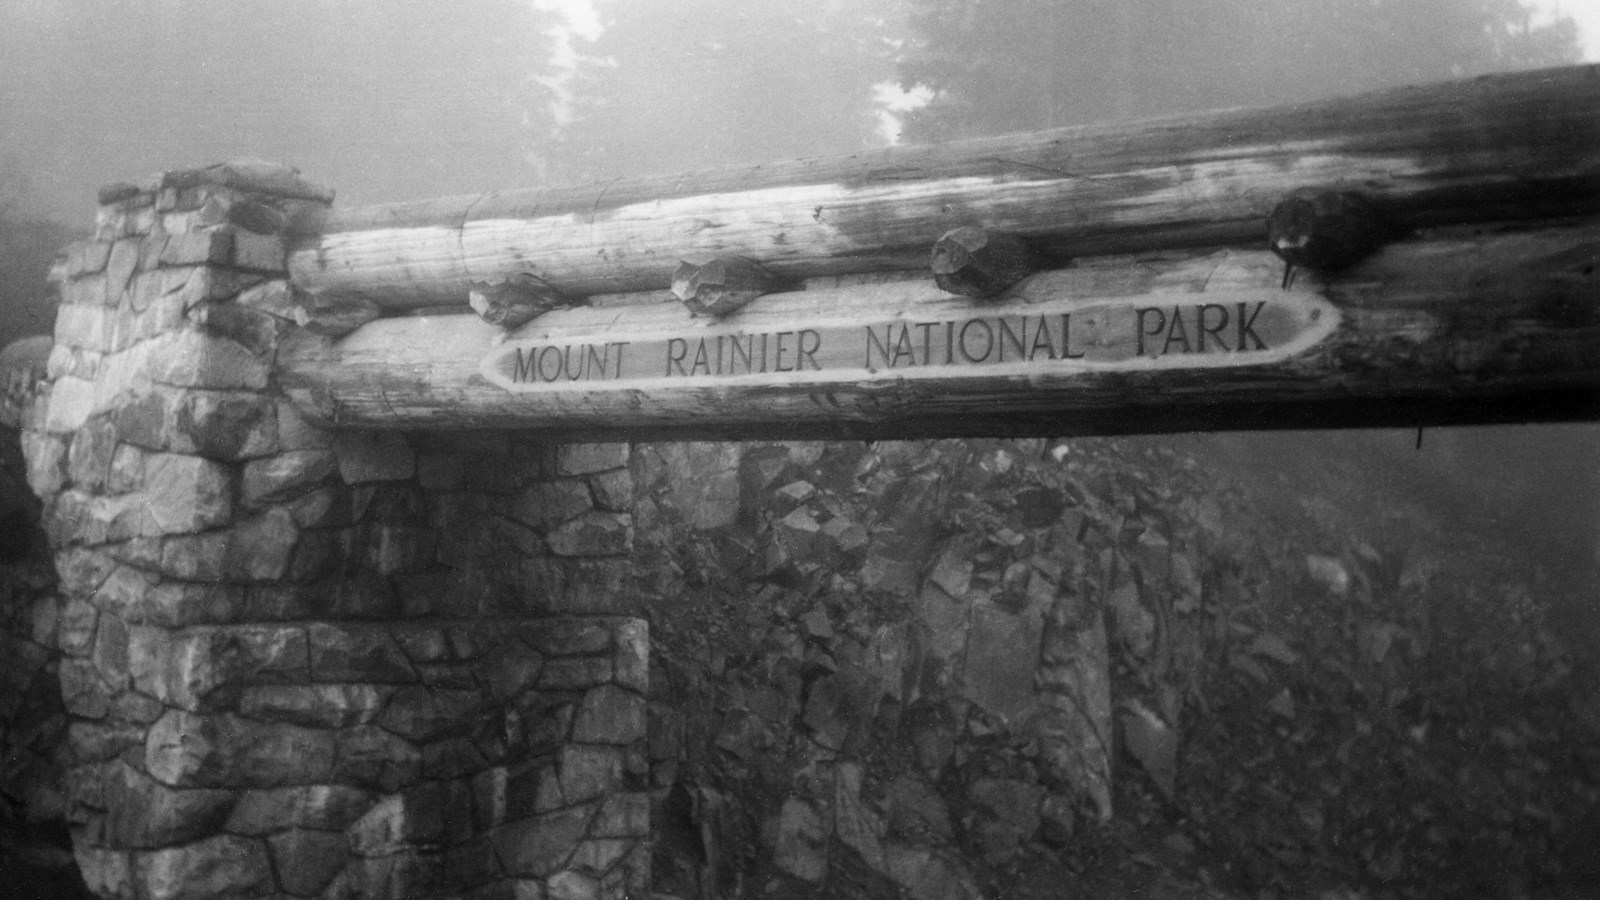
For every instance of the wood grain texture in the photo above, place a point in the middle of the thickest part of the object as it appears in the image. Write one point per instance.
(1455, 325)
(1521, 145)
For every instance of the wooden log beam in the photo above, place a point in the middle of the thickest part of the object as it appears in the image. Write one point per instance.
(1503, 146)
(1452, 326)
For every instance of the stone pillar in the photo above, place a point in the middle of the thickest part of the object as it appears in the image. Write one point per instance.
(302, 663)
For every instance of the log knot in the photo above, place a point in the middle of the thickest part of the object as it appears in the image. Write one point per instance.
(974, 262)
(1324, 230)
(332, 315)
(718, 285)
(515, 301)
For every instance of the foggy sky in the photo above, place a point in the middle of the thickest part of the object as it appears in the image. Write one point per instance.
(406, 99)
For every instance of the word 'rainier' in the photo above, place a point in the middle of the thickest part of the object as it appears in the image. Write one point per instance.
(1238, 328)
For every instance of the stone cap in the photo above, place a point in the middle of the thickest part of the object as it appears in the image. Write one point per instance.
(253, 175)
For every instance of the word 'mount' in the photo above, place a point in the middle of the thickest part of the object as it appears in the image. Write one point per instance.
(1239, 328)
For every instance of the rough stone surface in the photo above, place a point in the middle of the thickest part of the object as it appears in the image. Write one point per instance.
(510, 670)
(574, 674)
(801, 845)
(538, 846)
(421, 713)
(613, 490)
(571, 885)
(623, 815)
(285, 475)
(190, 359)
(47, 457)
(225, 425)
(221, 866)
(917, 812)
(184, 670)
(299, 663)
(357, 653)
(593, 534)
(144, 813)
(589, 772)
(1002, 655)
(308, 860)
(253, 550)
(1009, 815)
(186, 493)
(369, 757)
(631, 663)
(89, 456)
(567, 636)
(704, 481)
(925, 876)
(186, 749)
(609, 715)
(375, 456)
(587, 459)
(295, 433)
(106, 873)
(548, 504)
(315, 705)
(323, 807)
(70, 403)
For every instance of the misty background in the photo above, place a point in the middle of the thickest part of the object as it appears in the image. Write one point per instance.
(408, 99)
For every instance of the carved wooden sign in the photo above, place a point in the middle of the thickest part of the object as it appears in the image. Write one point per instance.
(1160, 307)
(1059, 336)
(1172, 341)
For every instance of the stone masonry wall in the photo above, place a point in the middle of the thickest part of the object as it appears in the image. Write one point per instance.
(299, 663)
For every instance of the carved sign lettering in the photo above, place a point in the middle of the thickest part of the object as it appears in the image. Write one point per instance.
(1059, 337)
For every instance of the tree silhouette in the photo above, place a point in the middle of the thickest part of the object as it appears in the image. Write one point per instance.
(28, 244)
(996, 66)
(689, 85)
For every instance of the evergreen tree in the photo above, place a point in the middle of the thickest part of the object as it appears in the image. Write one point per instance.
(996, 66)
(688, 85)
(27, 246)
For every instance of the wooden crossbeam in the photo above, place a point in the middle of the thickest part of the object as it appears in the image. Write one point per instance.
(1160, 308)
(1465, 324)
(1499, 147)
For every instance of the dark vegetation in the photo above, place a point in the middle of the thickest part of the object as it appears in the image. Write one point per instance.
(1029, 64)
(1332, 674)
(27, 247)
(1335, 672)
(35, 851)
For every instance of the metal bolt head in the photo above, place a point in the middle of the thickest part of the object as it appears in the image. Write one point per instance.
(1325, 230)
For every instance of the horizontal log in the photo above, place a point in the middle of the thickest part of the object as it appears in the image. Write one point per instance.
(1453, 326)
(1498, 147)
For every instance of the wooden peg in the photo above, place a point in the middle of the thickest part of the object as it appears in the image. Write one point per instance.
(719, 285)
(974, 262)
(1324, 230)
(515, 301)
(332, 315)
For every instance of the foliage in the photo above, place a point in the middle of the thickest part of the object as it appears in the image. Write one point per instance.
(689, 85)
(27, 246)
(1013, 65)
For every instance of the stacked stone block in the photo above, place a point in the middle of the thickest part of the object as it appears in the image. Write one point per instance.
(303, 663)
